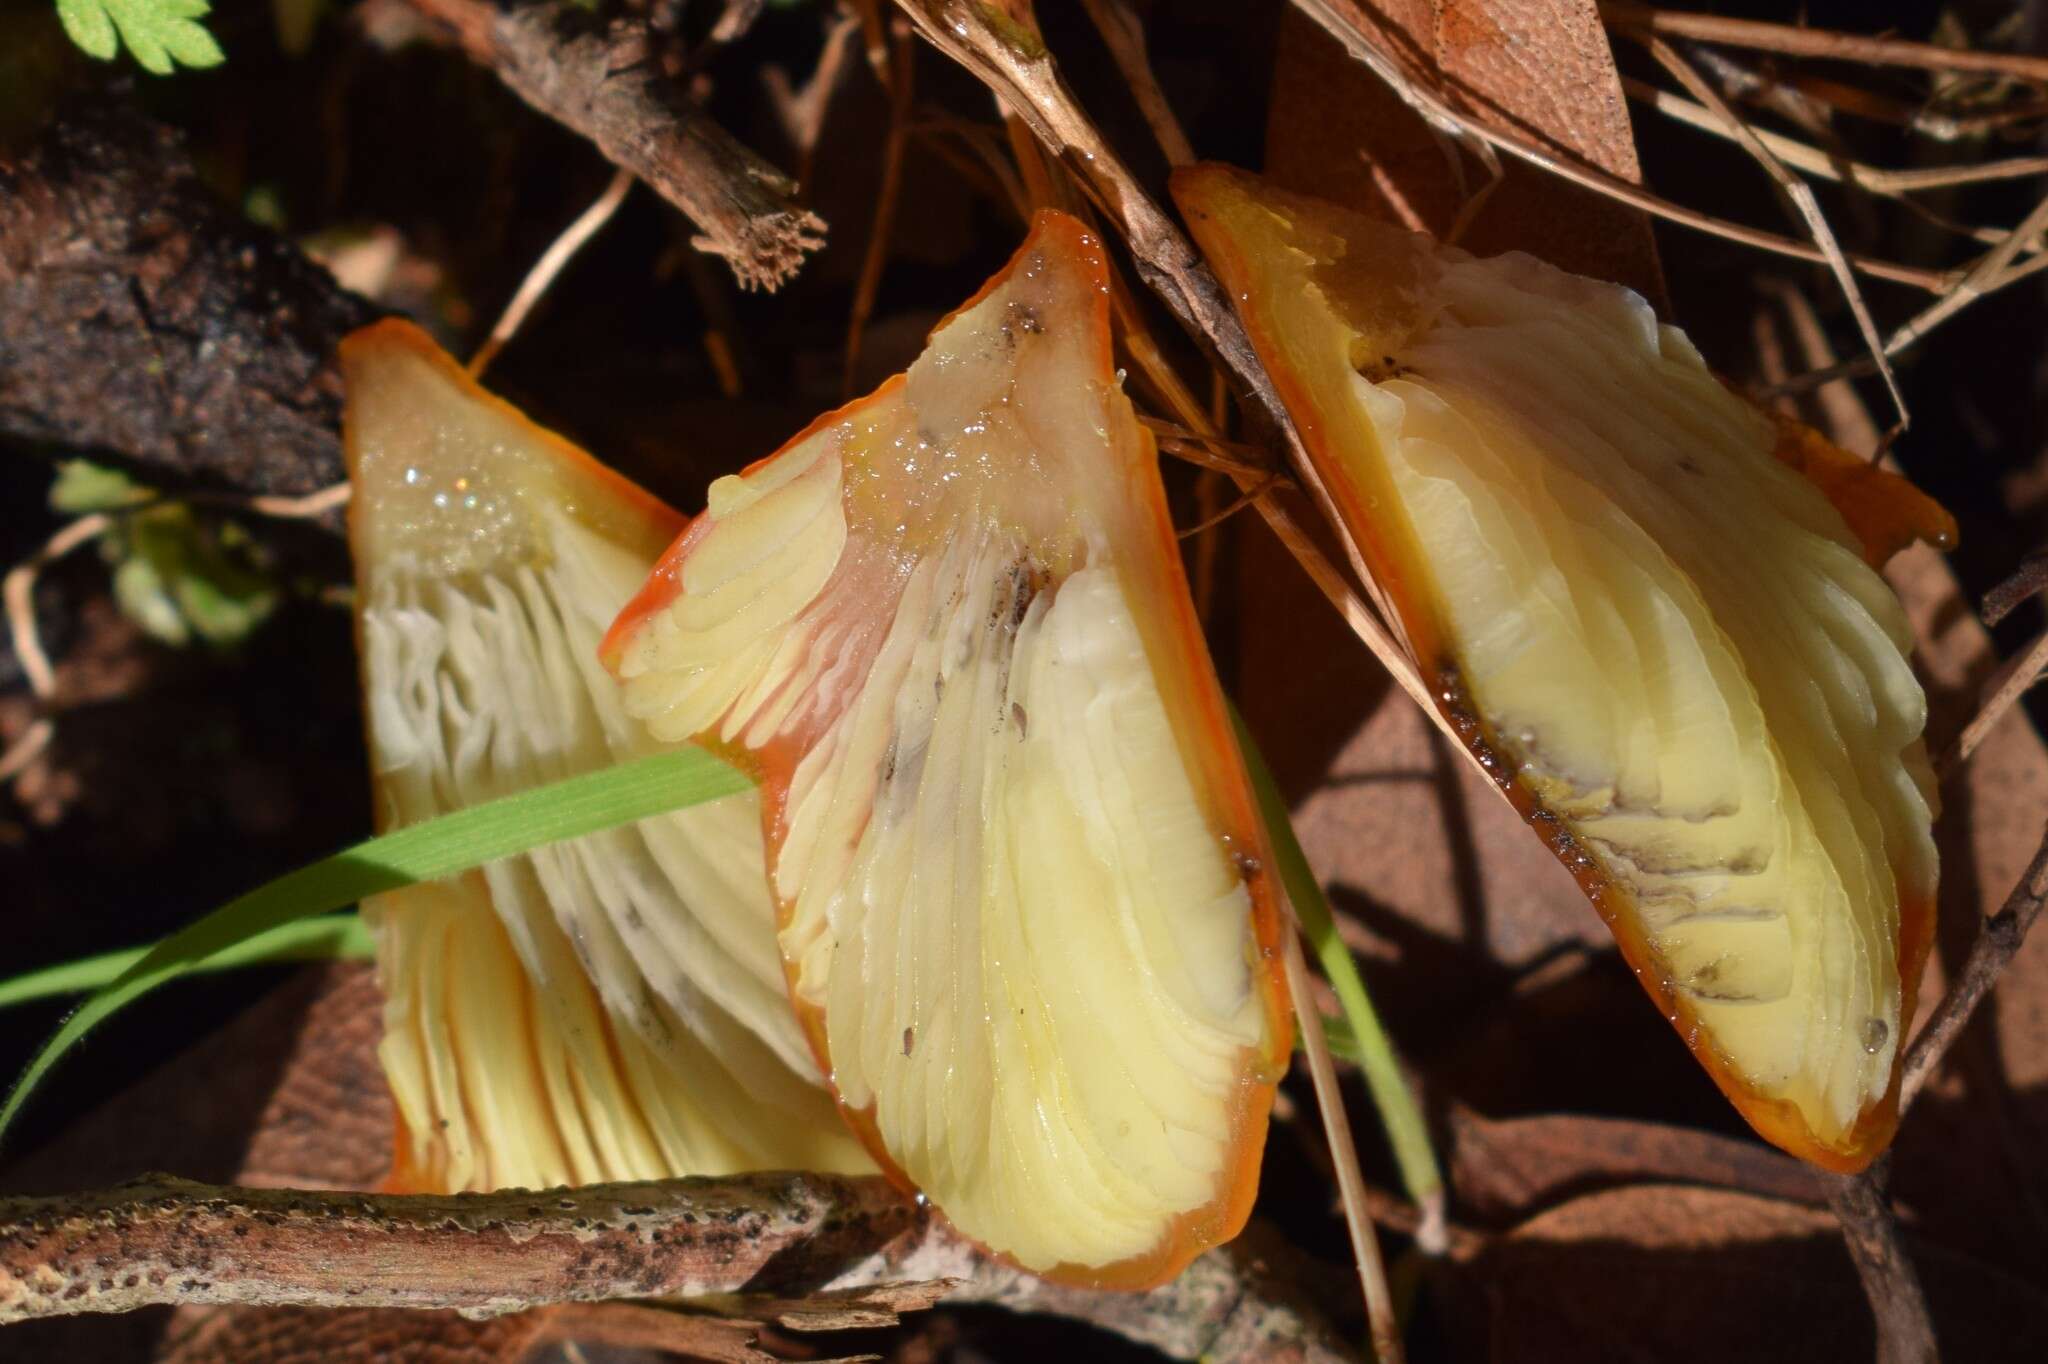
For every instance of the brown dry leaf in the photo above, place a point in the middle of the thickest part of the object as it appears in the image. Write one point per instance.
(614, 1332)
(1337, 131)
(296, 1335)
(1509, 1170)
(1677, 1274)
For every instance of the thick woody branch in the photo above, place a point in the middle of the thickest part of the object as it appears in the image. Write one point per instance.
(602, 80)
(144, 320)
(805, 1250)
(168, 1240)
(1905, 1331)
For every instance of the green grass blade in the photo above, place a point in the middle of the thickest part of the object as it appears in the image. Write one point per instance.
(1343, 1042)
(421, 852)
(325, 937)
(1360, 1039)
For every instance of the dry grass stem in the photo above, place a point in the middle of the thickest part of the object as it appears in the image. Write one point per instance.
(1993, 271)
(1796, 41)
(2015, 679)
(1261, 485)
(2025, 581)
(27, 748)
(18, 593)
(1015, 65)
(1998, 939)
(902, 64)
(732, 24)
(801, 112)
(1799, 194)
(1341, 19)
(1124, 34)
(559, 253)
(303, 508)
(19, 589)
(1826, 165)
(1365, 1246)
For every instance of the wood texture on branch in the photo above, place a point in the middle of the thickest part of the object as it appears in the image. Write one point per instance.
(143, 319)
(800, 1247)
(1905, 1331)
(601, 79)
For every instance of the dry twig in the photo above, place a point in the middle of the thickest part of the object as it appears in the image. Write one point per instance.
(1124, 34)
(18, 592)
(1813, 42)
(1799, 194)
(1905, 1332)
(1013, 62)
(1342, 20)
(559, 253)
(808, 1250)
(17, 597)
(1387, 1344)
(2014, 680)
(902, 69)
(1828, 165)
(1991, 272)
(601, 82)
(801, 111)
(1998, 940)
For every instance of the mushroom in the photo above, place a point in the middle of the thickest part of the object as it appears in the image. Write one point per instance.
(1010, 838)
(1630, 594)
(607, 1008)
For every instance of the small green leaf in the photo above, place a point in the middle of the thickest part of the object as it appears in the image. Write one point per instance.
(176, 576)
(192, 45)
(89, 27)
(139, 592)
(427, 851)
(82, 487)
(157, 33)
(326, 937)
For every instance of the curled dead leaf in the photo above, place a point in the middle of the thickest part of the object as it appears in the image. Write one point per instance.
(1683, 1275)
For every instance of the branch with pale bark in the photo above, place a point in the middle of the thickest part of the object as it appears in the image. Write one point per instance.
(810, 1252)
